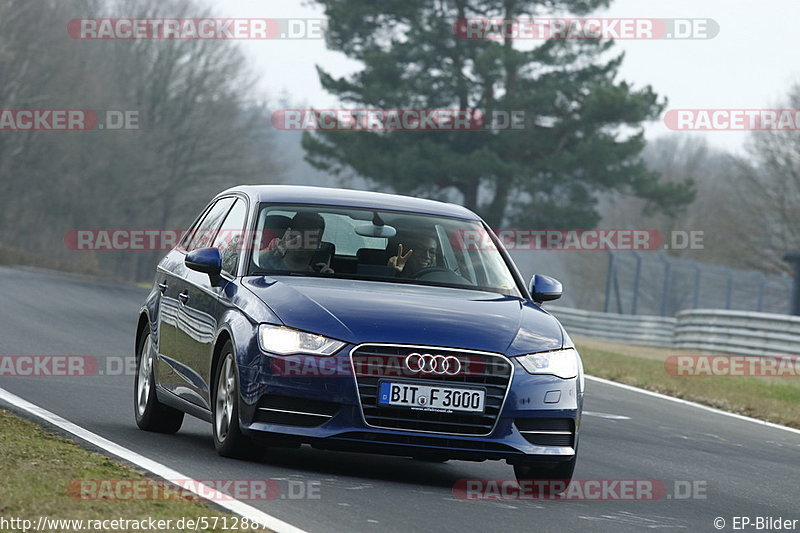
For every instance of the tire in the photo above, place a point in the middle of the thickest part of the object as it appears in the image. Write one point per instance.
(228, 438)
(151, 415)
(561, 471)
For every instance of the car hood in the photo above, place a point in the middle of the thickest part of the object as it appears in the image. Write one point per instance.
(365, 311)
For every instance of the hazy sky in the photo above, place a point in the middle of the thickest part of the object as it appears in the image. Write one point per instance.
(750, 64)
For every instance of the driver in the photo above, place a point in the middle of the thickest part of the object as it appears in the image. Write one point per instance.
(419, 252)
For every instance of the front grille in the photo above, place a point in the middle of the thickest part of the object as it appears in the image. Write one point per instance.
(547, 431)
(373, 363)
(290, 411)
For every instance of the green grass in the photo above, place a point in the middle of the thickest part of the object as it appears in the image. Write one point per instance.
(37, 467)
(773, 399)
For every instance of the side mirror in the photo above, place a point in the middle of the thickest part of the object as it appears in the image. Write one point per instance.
(205, 260)
(545, 288)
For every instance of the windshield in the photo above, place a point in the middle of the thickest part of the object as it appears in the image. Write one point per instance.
(367, 244)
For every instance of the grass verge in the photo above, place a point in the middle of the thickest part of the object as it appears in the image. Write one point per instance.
(85, 266)
(772, 399)
(38, 469)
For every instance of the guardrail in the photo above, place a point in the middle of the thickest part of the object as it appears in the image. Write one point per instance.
(705, 330)
(738, 332)
(632, 329)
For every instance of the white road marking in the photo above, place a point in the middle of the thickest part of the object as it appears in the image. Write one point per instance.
(504, 505)
(692, 404)
(606, 415)
(162, 471)
(650, 522)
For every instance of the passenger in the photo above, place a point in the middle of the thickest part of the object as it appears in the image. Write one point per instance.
(418, 253)
(295, 250)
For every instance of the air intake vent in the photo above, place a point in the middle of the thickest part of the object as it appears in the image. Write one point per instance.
(547, 431)
(290, 411)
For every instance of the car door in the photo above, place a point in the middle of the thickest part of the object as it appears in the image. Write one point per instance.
(167, 279)
(167, 315)
(180, 378)
(202, 309)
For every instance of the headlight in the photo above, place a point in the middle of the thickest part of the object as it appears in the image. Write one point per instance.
(286, 341)
(561, 363)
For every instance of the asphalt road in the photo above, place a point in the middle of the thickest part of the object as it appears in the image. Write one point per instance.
(746, 469)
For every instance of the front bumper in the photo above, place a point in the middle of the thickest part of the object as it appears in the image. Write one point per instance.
(320, 405)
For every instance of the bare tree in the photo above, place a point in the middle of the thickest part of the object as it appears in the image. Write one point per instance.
(716, 209)
(201, 127)
(770, 194)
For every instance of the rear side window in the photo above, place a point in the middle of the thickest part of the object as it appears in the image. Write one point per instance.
(202, 236)
(230, 238)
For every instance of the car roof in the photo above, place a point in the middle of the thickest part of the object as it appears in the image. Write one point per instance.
(302, 194)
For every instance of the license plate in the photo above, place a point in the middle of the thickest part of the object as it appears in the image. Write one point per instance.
(431, 398)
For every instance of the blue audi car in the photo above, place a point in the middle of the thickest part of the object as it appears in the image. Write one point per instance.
(357, 321)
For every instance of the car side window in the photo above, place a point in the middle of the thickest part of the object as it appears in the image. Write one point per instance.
(203, 235)
(230, 237)
(187, 235)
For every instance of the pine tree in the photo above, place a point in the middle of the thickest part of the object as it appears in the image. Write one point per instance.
(582, 133)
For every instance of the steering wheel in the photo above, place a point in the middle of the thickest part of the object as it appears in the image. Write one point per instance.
(425, 272)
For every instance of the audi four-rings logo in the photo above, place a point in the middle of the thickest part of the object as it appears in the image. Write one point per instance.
(426, 363)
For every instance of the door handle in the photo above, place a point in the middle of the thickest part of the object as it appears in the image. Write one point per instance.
(163, 287)
(184, 297)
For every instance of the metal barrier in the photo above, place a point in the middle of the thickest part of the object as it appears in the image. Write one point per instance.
(705, 330)
(631, 329)
(738, 332)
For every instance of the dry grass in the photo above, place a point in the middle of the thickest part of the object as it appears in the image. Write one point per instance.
(36, 468)
(85, 265)
(773, 399)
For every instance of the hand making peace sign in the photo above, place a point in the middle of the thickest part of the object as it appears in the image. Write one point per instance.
(399, 260)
